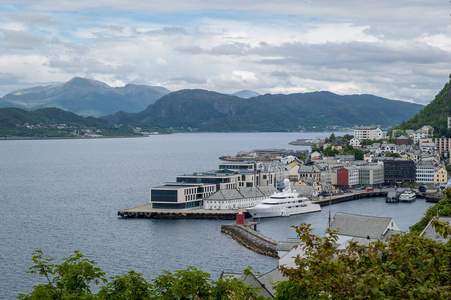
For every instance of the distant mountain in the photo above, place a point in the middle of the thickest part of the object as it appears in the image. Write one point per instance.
(435, 114)
(246, 94)
(53, 122)
(85, 97)
(211, 111)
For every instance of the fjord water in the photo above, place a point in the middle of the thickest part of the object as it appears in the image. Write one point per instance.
(63, 195)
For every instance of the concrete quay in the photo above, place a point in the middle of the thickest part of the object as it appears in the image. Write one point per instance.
(146, 211)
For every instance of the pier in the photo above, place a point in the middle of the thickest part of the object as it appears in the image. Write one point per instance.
(349, 197)
(146, 211)
(251, 239)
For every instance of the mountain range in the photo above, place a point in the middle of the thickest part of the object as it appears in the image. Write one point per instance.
(151, 106)
(86, 97)
(210, 111)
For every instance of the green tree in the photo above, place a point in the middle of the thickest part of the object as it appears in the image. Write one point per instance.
(71, 279)
(130, 286)
(404, 266)
(442, 208)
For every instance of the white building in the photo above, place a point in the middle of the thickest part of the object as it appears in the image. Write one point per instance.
(238, 198)
(425, 173)
(355, 142)
(368, 134)
(419, 134)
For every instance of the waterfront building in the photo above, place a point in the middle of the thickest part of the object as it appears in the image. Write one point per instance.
(238, 165)
(399, 171)
(371, 175)
(348, 176)
(238, 198)
(180, 195)
(440, 176)
(425, 173)
(368, 134)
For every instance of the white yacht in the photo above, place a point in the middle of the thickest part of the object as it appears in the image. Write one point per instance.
(283, 204)
(407, 196)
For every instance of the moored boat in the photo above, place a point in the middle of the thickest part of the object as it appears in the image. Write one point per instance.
(408, 196)
(283, 204)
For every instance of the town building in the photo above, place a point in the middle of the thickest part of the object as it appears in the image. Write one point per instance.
(399, 171)
(429, 129)
(348, 176)
(180, 195)
(310, 171)
(443, 145)
(402, 140)
(368, 134)
(425, 173)
(440, 176)
(238, 198)
(355, 142)
(371, 175)
(362, 229)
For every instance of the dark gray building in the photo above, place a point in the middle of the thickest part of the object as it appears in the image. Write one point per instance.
(399, 171)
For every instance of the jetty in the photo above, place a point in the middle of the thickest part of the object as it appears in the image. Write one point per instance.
(146, 211)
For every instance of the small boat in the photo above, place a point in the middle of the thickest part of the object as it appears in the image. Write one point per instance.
(283, 204)
(408, 196)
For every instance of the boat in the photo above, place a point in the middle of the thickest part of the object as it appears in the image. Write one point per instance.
(408, 196)
(283, 204)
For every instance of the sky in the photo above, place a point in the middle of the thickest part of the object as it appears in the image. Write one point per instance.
(395, 49)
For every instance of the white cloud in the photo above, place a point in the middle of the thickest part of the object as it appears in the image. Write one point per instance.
(393, 49)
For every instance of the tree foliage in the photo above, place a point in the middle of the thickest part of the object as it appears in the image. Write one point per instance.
(405, 266)
(442, 208)
(72, 279)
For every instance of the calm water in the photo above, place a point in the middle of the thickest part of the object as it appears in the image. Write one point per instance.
(63, 195)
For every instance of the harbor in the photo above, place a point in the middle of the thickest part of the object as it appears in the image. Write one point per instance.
(146, 211)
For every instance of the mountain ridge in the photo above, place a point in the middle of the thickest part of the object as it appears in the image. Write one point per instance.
(85, 97)
(211, 111)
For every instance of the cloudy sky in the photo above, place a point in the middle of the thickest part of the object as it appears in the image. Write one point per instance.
(395, 49)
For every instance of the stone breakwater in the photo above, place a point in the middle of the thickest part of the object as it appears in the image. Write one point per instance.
(251, 239)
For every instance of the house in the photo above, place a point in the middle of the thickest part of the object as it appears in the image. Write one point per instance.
(315, 155)
(440, 176)
(401, 140)
(419, 134)
(429, 231)
(429, 129)
(362, 229)
(355, 142)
